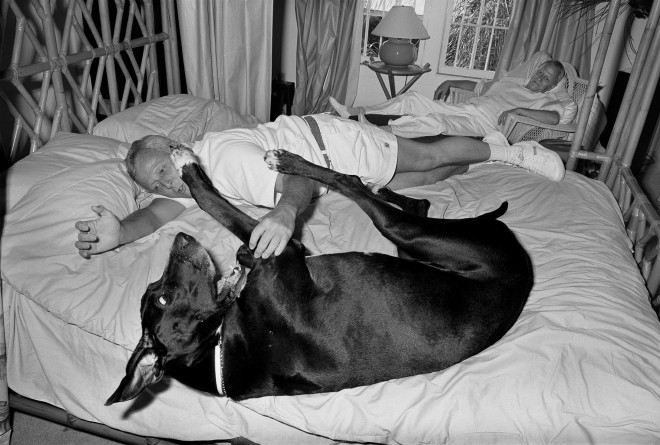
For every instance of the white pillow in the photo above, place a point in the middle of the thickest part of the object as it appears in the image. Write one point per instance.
(63, 151)
(38, 254)
(212, 116)
(180, 116)
(44, 218)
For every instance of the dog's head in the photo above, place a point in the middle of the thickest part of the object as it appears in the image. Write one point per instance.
(181, 313)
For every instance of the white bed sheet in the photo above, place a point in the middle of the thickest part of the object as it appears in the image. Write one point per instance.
(579, 366)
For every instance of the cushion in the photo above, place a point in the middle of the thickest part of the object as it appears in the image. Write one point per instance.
(62, 199)
(63, 151)
(179, 116)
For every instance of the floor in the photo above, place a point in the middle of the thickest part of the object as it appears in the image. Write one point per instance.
(29, 430)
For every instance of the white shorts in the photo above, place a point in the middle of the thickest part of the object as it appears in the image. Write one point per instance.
(353, 148)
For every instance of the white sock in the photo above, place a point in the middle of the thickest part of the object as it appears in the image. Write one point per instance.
(498, 152)
(472, 166)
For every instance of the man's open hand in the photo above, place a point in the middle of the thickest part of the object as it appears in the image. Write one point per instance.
(273, 232)
(98, 235)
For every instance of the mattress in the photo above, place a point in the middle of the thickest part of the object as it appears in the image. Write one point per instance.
(579, 366)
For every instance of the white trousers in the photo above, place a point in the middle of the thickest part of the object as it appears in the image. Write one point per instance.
(427, 117)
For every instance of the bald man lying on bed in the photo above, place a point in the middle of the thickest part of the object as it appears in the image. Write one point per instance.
(234, 161)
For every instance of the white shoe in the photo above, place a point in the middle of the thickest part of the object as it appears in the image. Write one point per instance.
(341, 110)
(534, 157)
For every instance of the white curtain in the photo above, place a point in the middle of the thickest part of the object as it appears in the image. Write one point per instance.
(227, 52)
(540, 25)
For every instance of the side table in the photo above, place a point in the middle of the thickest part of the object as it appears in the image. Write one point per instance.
(381, 68)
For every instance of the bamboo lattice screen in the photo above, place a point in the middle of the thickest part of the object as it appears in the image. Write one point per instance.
(99, 59)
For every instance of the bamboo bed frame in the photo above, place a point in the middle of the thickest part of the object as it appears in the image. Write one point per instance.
(89, 69)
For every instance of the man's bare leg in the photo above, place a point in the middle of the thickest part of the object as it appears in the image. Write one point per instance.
(431, 153)
(414, 179)
(423, 155)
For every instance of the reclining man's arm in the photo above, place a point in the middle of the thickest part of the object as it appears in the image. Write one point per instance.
(545, 116)
(108, 232)
(442, 91)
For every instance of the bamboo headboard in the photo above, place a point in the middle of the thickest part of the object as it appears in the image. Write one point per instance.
(67, 70)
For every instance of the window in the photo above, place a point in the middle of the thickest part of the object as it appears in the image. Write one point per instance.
(476, 33)
(467, 36)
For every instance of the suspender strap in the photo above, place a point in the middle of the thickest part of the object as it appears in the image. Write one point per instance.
(316, 131)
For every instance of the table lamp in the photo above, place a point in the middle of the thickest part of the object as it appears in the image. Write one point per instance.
(400, 25)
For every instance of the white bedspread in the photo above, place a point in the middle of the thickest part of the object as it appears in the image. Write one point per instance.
(580, 365)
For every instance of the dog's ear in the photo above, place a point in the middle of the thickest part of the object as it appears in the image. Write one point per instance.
(143, 369)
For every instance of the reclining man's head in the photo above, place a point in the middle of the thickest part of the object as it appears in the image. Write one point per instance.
(546, 77)
(149, 164)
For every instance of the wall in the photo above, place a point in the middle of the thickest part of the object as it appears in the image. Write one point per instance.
(369, 90)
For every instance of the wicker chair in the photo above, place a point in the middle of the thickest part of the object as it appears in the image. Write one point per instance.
(519, 128)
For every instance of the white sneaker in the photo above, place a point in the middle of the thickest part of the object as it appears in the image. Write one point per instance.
(535, 158)
(341, 110)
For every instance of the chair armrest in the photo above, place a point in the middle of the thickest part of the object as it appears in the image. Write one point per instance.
(520, 128)
(459, 95)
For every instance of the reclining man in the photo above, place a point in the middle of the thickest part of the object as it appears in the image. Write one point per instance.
(233, 159)
(542, 96)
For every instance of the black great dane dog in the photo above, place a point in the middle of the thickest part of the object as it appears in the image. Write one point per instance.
(324, 323)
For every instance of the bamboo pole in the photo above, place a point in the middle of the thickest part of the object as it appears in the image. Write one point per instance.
(644, 95)
(153, 62)
(39, 111)
(633, 81)
(111, 74)
(62, 417)
(50, 38)
(15, 139)
(592, 88)
(653, 226)
(164, 17)
(23, 28)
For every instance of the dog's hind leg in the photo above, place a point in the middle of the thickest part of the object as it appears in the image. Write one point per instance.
(457, 245)
(419, 207)
(400, 227)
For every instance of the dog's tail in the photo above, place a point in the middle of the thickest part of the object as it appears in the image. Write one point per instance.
(496, 213)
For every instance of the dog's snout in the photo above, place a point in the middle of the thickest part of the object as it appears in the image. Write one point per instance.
(183, 239)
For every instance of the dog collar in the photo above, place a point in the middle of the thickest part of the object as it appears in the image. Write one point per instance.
(219, 382)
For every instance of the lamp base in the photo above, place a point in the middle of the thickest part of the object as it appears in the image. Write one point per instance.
(397, 52)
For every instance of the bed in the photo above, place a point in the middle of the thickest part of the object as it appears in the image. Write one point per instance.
(579, 366)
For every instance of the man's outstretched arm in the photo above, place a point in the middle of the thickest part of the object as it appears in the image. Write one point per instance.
(107, 232)
(545, 116)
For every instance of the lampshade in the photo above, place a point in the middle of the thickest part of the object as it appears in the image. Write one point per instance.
(401, 22)
(400, 25)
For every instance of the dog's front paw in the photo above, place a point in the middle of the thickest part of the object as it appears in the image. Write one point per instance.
(282, 161)
(375, 188)
(182, 155)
